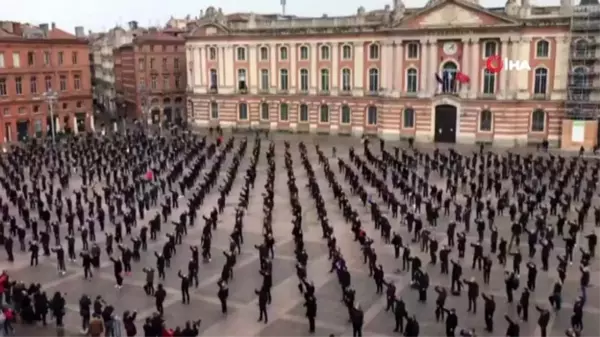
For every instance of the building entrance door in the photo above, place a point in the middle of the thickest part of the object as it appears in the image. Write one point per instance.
(445, 124)
(22, 130)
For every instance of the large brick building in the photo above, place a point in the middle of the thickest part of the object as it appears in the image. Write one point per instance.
(35, 60)
(374, 72)
(150, 76)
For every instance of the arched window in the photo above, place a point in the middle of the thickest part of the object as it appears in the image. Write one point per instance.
(178, 100)
(283, 79)
(346, 79)
(242, 79)
(580, 84)
(212, 53)
(213, 79)
(373, 51)
(264, 79)
(325, 80)
(303, 80)
(346, 52)
(324, 52)
(372, 115)
(538, 120)
(304, 53)
(283, 53)
(409, 118)
(373, 80)
(324, 113)
(449, 83)
(485, 121)
(214, 110)
(346, 114)
(264, 111)
(303, 113)
(167, 101)
(243, 111)
(540, 85)
(412, 80)
(283, 112)
(542, 49)
(264, 53)
(241, 54)
(489, 82)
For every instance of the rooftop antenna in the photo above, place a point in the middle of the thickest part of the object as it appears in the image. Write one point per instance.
(283, 3)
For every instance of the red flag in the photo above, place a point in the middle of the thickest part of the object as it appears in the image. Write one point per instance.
(149, 175)
(462, 78)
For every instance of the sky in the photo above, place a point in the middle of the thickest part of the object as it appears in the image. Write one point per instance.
(101, 15)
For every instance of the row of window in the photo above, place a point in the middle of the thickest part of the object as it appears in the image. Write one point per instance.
(63, 84)
(152, 63)
(542, 49)
(538, 117)
(540, 85)
(166, 82)
(22, 110)
(490, 48)
(33, 59)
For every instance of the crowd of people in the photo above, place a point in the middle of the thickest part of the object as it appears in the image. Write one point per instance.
(127, 178)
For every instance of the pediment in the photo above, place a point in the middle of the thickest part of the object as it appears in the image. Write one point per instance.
(209, 29)
(455, 13)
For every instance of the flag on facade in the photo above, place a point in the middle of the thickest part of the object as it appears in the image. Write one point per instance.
(462, 78)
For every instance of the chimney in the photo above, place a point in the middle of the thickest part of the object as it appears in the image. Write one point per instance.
(44, 28)
(53, 26)
(79, 31)
(133, 25)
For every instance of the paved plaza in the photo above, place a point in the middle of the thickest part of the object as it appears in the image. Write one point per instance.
(286, 313)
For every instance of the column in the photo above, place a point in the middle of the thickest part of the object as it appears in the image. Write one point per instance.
(561, 72)
(252, 71)
(398, 61)
(524, 76)
(464, 64)
(221, 65)
(434, 65)
(475, 68)
(424, 54)
(385, 77)
(273, 64)
(313, 72)
(190, 66)
(293, 67)
(513, 75)
(503, 75)
(203, 75)
(75, 128)
(335, 52)
(359, 67)
(230, 80)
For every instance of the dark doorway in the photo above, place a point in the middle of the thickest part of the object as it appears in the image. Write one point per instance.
(168, 116)
(445, 124)
(155, 116)
(50, 125)
(178, 118)
(80, 121)
(22, 130)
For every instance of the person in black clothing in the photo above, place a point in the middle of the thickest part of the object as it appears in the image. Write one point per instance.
(489, 308)
(543, 320)
(263, 298)
(311, 312)
(160, 295)
(191, 328)
(223, 294)
(451, 322)
(399, 314)
(185, 287)
(513, 329)
(357, 321)
(129, 323)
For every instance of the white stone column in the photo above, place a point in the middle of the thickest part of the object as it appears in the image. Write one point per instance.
(561, 74)
(221, 65)
(398, 60)
(513, 75)
(273, 63)
(335, 47)
(359, 69)
(434, 65)
(424, 55)
(313, 72)
(252, 71)
(524, 76)
(475, 69)
(464, 65)
(385, 76)
(229, 71)
(503, 75)
(201, 66)
(75, 129)
(293, 67)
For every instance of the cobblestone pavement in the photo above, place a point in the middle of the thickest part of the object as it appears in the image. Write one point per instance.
(286, 313)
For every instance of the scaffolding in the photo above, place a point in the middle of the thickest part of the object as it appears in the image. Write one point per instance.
(583, 91)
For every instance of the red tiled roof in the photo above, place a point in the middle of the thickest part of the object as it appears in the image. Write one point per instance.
(60, 34)
(158, 36)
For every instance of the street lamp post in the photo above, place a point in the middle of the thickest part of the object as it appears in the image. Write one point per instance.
(51, 97)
